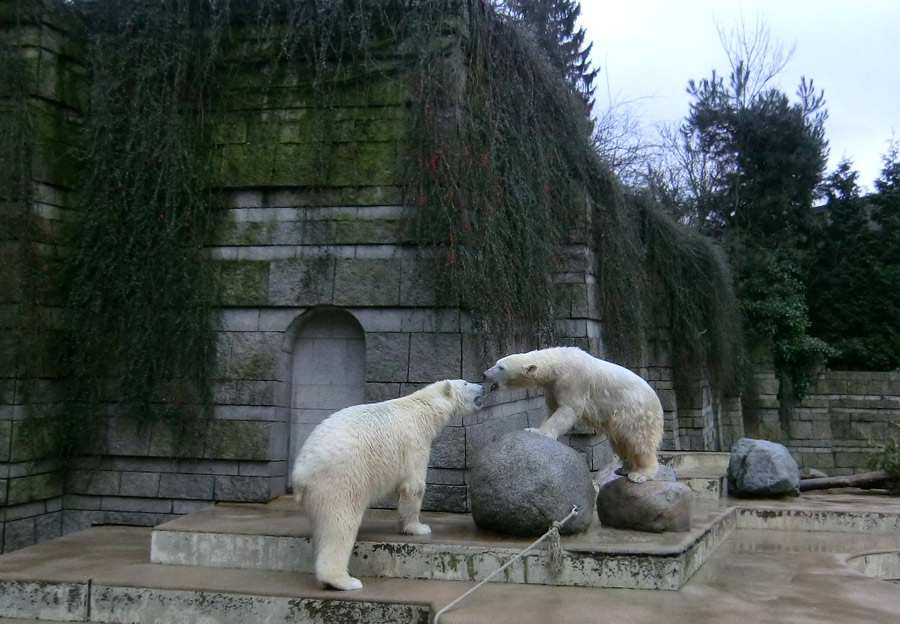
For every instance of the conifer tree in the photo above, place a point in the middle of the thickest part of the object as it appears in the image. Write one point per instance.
(554, 25)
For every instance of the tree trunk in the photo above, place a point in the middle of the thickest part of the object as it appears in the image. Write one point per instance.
(857, 480)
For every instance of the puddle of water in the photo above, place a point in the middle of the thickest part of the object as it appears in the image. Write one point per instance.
(761, 540)
(883, 565)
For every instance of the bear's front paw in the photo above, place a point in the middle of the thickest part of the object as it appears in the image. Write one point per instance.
(540, 432)
(636, 477)
(416, 528)
(343, 583)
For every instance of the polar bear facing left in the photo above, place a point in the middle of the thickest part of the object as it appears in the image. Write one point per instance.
(578, 386)
(364, 452)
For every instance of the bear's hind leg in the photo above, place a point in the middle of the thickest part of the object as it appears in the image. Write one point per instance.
(642, 466)
(637, 466)
(334, 539)
(642, 475)
(409, 504)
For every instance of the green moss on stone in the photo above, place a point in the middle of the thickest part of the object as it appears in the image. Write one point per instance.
(387, 195)
(31, 439)
(364, 164)
(241, 166)
(367, 231)
(238, 439)
(253, 366)
(243, 233)
(177, 438)
(243, 282)
(34, 488)
(231, 131)
(298, 164)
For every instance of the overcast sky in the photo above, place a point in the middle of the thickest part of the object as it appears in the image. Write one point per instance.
(647, 50)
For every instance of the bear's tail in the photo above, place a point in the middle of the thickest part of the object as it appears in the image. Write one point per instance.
(297, 484)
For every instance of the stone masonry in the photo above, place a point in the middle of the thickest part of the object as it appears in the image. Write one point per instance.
(830, 428)
(315, 257)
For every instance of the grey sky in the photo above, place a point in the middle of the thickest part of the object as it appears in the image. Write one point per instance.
(647, 50)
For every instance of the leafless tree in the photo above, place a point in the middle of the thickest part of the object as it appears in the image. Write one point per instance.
(681, 173)
(752, 52)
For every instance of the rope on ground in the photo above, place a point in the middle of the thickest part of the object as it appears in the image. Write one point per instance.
(555, 563)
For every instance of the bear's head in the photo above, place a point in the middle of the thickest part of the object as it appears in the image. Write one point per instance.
(468, 396)
(511, 372)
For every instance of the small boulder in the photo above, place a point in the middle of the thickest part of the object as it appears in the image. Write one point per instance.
(652, 506)
(523, 481)
(612, 471)
(760, 468)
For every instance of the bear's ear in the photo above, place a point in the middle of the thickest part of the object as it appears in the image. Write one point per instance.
(529, 370)
(448, 389)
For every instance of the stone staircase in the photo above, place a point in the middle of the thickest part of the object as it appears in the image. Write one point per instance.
(703, 472)
(275, 537)
(252, 563)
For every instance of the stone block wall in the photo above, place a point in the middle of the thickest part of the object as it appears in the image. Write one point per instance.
(312, 226)
(40, 99)
(697, 419)
(830, 427)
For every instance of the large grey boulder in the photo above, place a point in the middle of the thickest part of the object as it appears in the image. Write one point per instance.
(523, 481)
(652, 506)
(760, 468)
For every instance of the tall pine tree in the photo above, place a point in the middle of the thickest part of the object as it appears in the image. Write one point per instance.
(854, 284)
(554, 25)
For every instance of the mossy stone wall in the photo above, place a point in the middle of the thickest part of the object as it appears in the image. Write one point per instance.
(41, 94)
(310, 184)
(830, 427)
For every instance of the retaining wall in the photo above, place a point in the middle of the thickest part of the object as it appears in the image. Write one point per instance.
(830, 428)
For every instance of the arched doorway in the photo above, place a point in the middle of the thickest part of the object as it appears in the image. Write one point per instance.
(328, 364)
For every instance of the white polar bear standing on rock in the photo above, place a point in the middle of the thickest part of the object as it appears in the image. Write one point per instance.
(364, 452)
(604, 395)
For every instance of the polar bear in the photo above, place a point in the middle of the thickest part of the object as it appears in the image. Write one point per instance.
(364, 452)
(604, 395)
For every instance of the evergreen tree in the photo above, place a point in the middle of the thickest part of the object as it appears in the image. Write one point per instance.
(554, 25)
(771, 154)
(854, 284)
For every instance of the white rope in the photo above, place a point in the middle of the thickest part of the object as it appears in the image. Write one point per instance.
(554, 563)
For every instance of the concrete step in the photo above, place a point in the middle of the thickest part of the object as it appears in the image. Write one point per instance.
(103, 574)
(276, 537)
(707, 489)
(843, 510)
(709, 463)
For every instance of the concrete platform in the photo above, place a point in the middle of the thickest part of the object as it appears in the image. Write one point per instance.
(703, 472)
(276, 537)
(104, 574)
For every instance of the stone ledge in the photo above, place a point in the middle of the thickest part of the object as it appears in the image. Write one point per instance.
(275, 537)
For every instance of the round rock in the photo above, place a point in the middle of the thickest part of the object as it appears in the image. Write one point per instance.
(652, 506)
(523, 481)
(613, 471)
(762, 468)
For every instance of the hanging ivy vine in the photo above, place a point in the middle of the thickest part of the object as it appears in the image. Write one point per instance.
(502, 177)
(139, 286)
(695, 301)
(493, 184)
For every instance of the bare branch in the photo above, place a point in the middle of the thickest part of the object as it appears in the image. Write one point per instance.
(754, 56)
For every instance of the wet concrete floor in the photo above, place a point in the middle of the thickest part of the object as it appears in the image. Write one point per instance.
(795, 577)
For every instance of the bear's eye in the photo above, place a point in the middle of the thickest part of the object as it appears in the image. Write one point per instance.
(500, 367)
